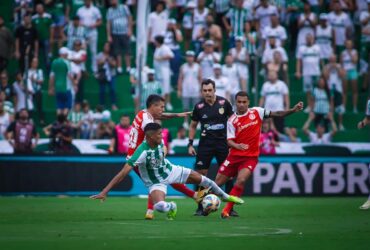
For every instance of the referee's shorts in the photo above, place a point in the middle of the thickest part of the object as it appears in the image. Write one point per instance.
(208, 149)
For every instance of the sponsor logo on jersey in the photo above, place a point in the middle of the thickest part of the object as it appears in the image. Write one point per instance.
(252, 116)
(221, 111)
(199, 163)
(221, 102)
(200, 105)
(204, 116)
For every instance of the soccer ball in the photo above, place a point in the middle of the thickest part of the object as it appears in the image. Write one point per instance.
(211, 203)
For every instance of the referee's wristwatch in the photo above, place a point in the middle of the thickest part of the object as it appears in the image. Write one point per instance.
(190, 143)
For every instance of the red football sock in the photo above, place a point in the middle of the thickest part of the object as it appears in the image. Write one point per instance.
(236, 191)
(184, 189)
(150, 204)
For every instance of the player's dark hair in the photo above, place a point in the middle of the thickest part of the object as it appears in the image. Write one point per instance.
(124, 115)
(153, 99)
(209, 81)
(152, 127)
(241, 93)
(159, 39)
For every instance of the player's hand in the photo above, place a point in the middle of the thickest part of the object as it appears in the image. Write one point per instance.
(242, 146)
(101, 196)
(298, 107)
(360, 125)
(191, 151)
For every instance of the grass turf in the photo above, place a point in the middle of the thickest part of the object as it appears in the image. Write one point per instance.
(265, 223)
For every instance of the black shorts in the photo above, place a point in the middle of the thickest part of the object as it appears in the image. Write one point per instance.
(121, 44)
(209, 149)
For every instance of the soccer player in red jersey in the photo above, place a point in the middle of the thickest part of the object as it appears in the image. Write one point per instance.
(155, 111)
(243, 135)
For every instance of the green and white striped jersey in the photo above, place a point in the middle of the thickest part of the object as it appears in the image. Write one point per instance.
(151, 163)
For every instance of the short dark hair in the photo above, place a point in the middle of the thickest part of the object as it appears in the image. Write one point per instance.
(241, 93)
(209, 81)
(159, 39)
(152, 99)
(125, 115)
(152, 127)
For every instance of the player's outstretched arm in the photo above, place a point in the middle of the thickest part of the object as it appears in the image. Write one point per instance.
(117, 179)
(298, 107)
(166, 116)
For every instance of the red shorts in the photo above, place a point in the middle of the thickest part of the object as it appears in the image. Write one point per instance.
(234, 163)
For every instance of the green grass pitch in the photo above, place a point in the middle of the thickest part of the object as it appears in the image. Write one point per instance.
(265, 223)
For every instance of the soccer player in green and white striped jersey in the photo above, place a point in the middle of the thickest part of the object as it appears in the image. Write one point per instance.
(157, 172)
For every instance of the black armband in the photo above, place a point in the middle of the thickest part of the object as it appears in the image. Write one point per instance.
(190, 143)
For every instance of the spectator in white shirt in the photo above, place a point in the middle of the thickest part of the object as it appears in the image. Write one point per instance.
(275, 97)
(36, 76)
(275, 30)
(241, 59)
(188, 87)
(230, 71)
(268, 54)
(325, 37)
(78, 56)
(90, 18)
(263, 14)
(221, 82)
(207, 59)
(23, 90)
(342, 25)
(5, 120)
(308, 66)
(199, 21)
(319, 137)
(306, 23)
(162, 56)
(349, 61)
(157, 22)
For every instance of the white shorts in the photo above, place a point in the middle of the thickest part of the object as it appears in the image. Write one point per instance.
(178, 175)
(309, 82)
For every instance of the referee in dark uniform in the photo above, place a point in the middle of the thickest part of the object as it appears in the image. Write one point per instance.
(212, 112)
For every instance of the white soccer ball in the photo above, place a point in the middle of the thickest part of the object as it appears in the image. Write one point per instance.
(211, 203)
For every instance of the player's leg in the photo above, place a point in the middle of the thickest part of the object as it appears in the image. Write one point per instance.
(221, 156)
(245, 170)
(237, 190)
(202, 163)
(201, 180)
(158, 195)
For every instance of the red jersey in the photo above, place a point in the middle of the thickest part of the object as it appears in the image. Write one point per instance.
(137, 134)
(246, 129)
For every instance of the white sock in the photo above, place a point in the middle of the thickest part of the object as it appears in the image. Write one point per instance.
(162, 206)
(206, 182)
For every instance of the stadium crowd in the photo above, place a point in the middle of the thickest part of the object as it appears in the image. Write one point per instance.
(55, 43)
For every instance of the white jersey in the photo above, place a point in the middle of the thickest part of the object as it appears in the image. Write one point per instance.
(80, 55)
(274, 95)
(314, 138)
(222, 86)
(368, 108)
(268, 55)
(206, 62)
(199, 22)
(339, 24)
(334, 79)
(88, 17)
(158, 24)
(239, 58)
(161, 52)
(190, 83)
(310, 57)
(20, 92)
(306, 28)
(4, 123)
(346, 57)
(324, 38)
(278, 32)
(264, 15)
(232, 75)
